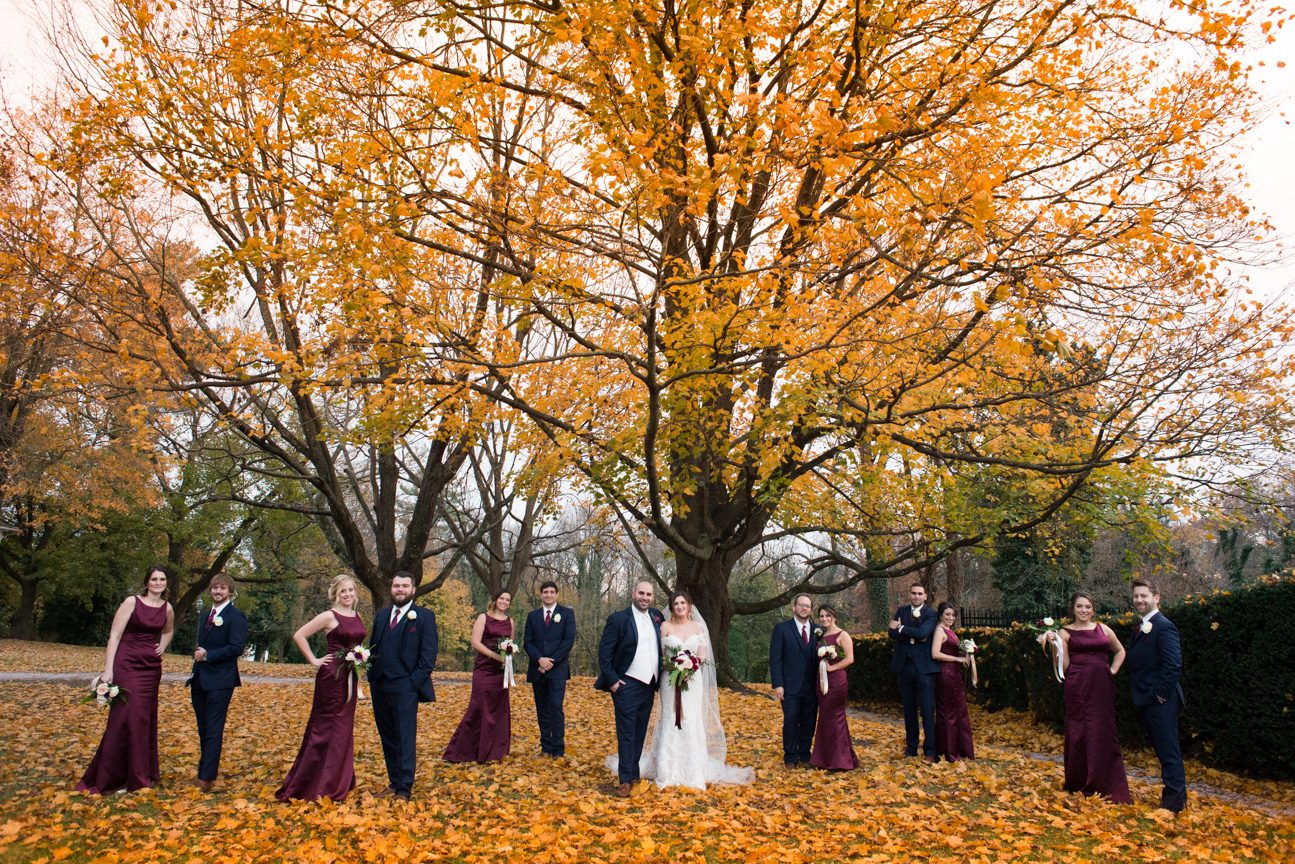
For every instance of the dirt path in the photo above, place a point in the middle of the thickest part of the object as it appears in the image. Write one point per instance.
(1263, 805)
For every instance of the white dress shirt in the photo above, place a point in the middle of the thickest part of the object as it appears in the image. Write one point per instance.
(399, 612)
(646, 661)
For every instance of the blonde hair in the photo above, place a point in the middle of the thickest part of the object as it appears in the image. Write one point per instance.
(493, 605)
(335, 587)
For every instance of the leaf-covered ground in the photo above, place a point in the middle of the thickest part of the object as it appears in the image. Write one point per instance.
(1005, 806)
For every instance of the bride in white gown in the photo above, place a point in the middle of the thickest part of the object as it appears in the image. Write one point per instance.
(691, 753)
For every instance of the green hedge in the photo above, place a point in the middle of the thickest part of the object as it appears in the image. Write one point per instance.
(1238, 677)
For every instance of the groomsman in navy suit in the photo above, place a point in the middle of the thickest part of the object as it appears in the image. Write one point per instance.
(793, 648)
(222, 635)
(1155, 663)
(629, 663)
(404, 645)
(548, 639)
(916, 669)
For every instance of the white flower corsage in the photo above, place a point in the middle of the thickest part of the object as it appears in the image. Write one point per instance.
(818, 631)
(411, 615)
(557, 617)
(1146, 626)
(218, 621)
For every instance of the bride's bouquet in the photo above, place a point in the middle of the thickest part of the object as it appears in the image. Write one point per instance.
(682, 666)
(104, 694)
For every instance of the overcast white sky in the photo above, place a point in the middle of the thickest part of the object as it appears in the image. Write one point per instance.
(1269, 153)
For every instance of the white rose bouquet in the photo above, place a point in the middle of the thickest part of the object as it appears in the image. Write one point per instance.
(104, 694)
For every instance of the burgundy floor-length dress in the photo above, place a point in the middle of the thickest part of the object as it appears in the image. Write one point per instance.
(952, 724)
(325, 764)
(832, 747)
(1094, 765)
(486, 730)
(127, 755)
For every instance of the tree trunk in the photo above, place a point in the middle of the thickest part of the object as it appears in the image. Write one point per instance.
(953, 578)
(24, 624)
(878, 604)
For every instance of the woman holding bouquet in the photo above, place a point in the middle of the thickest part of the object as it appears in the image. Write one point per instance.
(141, 630)
(688, 747)
(952, 724)
(486, 730)
(1093, 762)
(832, 747)
(325, 764)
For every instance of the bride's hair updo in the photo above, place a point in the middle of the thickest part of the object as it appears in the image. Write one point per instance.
(676, 594)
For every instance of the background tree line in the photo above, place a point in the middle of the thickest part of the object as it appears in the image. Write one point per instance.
(751, 302)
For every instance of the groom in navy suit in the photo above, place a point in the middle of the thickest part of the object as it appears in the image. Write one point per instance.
(222, 634)
(404, 648)
(793, 657)
(549, 637)
(916, 670)
(629, 663)
(1155, 663)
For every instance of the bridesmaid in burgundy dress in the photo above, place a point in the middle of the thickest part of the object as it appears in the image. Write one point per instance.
(1094, 765)
(325, 765)
(832, 747)
(485, 732)
(127, 756)
(952, 724)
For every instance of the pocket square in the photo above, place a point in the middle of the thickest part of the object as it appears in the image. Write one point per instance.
(411, 629)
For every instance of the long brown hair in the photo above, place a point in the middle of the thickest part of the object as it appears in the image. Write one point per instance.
(148, 574)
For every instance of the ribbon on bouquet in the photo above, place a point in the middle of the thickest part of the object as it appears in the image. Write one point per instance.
(351, 677)
(822, 675)
(509, 680)
(975, 679)
(1054, 645)
(678, 706)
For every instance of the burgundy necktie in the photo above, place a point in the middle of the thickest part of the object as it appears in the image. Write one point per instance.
(804, 632)
(211, 616)
(395, 617)
(548, 617)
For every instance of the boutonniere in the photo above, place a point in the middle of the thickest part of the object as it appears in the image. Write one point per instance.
(218, 621)
(1146, 627)
(557, 617)
(411, 615)
(818, 631)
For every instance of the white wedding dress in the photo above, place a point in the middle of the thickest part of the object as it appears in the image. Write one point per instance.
(692, 754)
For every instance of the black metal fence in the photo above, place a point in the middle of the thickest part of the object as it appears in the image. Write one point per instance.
(999, 618)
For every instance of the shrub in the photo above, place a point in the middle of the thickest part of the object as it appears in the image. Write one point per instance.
(1238, 677)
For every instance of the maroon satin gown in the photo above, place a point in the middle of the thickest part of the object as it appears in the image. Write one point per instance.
(486, 730)
(325, 764)
(127, 755)
(832, 747)
(952, 723)
(1094, 765)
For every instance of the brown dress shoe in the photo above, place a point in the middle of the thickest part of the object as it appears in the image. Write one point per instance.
(385, 793)
(204, 785)
(624, 790)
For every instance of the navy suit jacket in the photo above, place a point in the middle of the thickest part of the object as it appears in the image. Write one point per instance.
(618, 645)
(791, 662)
(913, 639)
(406, 651)
(554, 642)
(1155, 661)
(224, 646)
